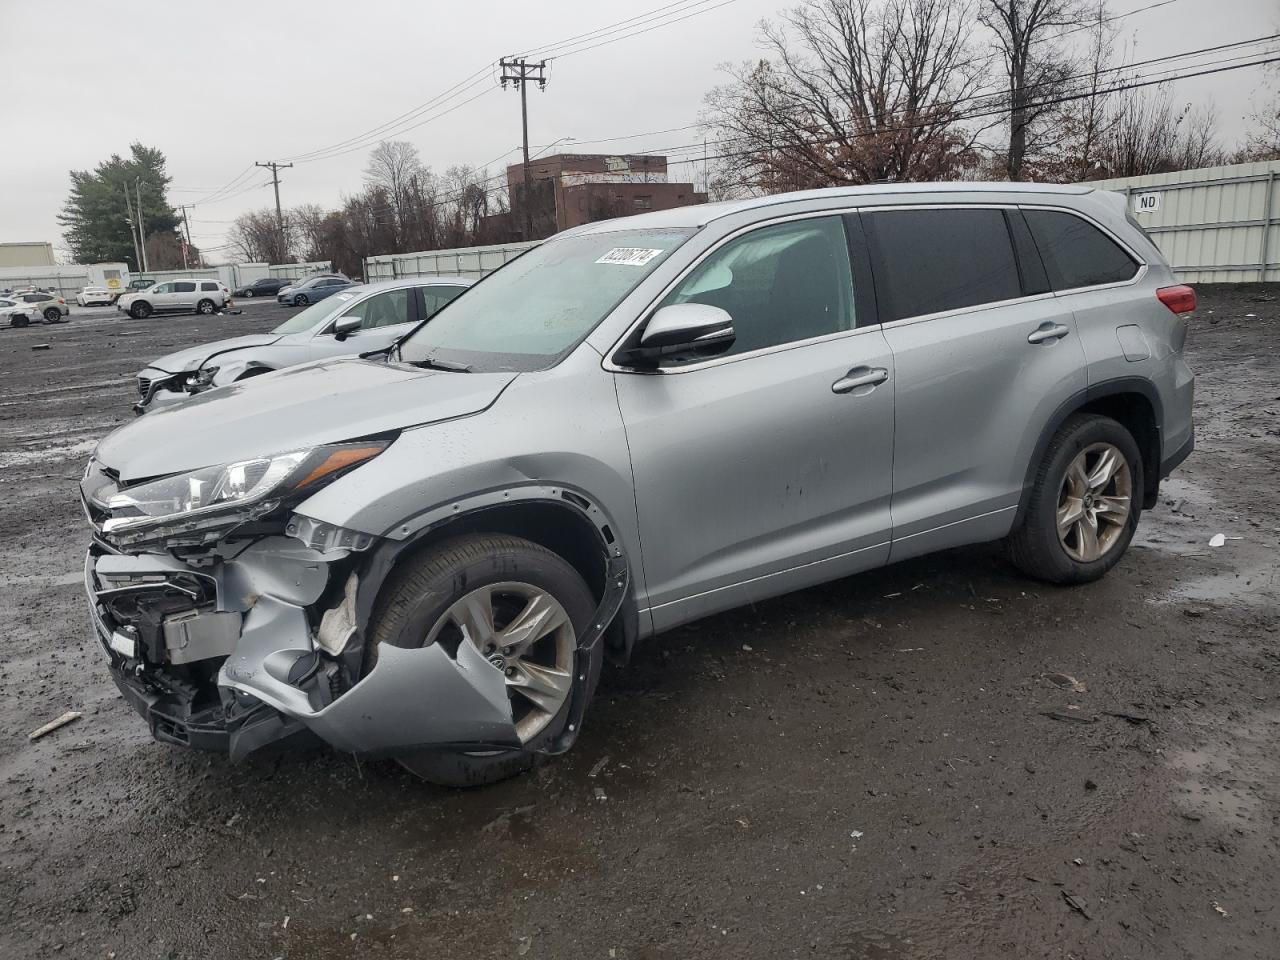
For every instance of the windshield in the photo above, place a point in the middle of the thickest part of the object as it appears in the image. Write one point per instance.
(534, 310)
(314, 314)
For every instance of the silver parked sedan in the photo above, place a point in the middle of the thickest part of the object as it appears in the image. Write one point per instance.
(634, 425)
(357, 320)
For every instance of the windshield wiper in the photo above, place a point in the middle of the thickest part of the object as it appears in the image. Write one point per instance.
(435, 363)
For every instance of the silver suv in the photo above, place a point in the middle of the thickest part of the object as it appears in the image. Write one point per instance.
(426, 554)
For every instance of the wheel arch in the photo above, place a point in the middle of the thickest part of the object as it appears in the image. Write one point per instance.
(1133, 403)
(565, 521)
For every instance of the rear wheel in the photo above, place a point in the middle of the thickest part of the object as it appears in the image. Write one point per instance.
(523, 608)
(205, 307)
(52, 315)
(140, 310)
(1084, 504)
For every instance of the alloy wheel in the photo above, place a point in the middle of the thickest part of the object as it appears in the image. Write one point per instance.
(1094, 502)
(525, 633)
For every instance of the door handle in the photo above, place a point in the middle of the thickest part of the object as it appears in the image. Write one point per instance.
(860, 377)
(1048, 331)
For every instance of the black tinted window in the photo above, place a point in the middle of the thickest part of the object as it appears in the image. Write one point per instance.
(1076, 253)
(927, 261)
(184, 286)
(208, 285)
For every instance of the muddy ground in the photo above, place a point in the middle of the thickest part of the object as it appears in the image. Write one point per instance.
(864, 770)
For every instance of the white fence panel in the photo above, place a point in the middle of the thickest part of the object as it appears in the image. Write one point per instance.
(458, 262)
(295, 271)
(1215, 224)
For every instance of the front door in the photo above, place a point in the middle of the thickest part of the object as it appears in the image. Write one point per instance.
(768, 468)
(384, 318)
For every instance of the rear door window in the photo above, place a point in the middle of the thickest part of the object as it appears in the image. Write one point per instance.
(1076, 253)
(433, 298)
(933, 260)
(184, 286)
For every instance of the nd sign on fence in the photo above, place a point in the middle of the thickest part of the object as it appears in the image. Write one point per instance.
(1146, 202)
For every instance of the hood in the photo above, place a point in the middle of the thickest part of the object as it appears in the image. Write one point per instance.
(193, 359)
(328, 401)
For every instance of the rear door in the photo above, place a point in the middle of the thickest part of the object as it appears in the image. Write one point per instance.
(767, 468)
(983, 355)
(184, 295)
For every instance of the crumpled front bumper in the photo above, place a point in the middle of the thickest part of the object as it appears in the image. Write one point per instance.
(250, 664)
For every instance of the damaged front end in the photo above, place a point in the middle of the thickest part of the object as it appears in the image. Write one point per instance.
(231, 622)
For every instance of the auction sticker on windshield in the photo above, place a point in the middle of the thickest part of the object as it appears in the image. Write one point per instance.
(629, 256)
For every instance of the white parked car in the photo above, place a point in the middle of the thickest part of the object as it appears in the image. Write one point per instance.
(95, 297)
(188, 295)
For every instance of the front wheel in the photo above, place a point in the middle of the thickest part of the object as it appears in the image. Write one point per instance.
(140, 310)
(247, 293)
(1084, 503)
(300, 300)
(523, 608)
(18, 320)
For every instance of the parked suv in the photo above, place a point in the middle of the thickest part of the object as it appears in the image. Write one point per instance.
(426, 553)
(193, 295)
(356, 320)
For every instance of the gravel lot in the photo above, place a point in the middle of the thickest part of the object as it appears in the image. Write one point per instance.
(863, 770)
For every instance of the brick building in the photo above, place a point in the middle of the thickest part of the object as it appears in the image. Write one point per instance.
(569, 189)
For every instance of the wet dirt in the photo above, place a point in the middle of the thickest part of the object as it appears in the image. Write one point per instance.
(883, 767)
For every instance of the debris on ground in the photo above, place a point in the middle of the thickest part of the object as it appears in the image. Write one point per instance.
(598, 766)
(40, 346)
(598, 793)
(1066, 681)
(1078, 904)
(1218, 907)
(1069, 716)
(1217, 540)
(1133, 718)
(69, 717)
(525, 944)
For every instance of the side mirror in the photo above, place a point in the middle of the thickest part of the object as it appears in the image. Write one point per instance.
(682, 330)
(344, 327)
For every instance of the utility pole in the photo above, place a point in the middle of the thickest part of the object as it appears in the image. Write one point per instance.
(133, 236)
(275, 169)
(186, 229)
(520, 71)
(142, 226)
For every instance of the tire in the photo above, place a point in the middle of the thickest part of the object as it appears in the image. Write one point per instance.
(140, 310)
(206, 308)
(52, 315)
(18, 320)
(418, 603)
(300, 300)
(247, 293)
(1069, 554)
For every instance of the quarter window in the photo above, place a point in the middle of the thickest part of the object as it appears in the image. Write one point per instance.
(1076, 253)
(780, 284)
(930, 261)
(433, 298)
(208, 285)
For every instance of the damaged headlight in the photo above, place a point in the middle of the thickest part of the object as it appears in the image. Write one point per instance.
(202, 379)
(258, 485)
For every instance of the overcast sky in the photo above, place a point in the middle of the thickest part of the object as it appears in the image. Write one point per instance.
(218, 85)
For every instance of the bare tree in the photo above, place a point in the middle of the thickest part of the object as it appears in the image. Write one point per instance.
(1037, 62)
(256, 236)
(306, 227)
(394, 166)
(854, 91)
(1263, 142)
(1148, 134)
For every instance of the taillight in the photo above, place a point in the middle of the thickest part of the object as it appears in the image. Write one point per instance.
(62, 301)
(1179, 299)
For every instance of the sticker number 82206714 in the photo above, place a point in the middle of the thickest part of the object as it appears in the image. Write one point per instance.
(629, 256)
